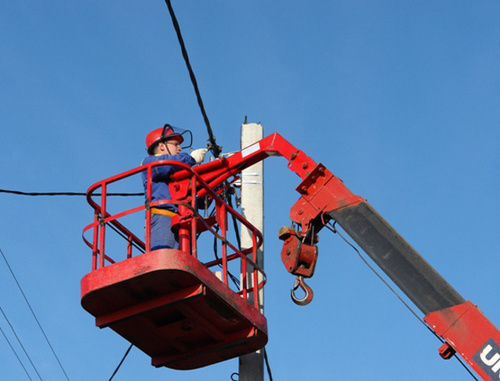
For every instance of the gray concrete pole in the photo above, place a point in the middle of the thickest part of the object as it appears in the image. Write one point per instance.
(251, 366)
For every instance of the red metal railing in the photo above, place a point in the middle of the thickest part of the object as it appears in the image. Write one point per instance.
(188, 222)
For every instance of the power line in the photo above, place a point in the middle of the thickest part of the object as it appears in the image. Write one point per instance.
(34, 315)
(33, 194)
(268, 366)
(19, 341)
(121, 362)
(216, 150)
(15, 353)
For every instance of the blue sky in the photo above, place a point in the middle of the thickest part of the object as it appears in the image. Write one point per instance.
(400, 99)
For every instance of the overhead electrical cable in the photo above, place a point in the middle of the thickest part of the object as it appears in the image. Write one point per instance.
(20, 193)
(268, 366)
(15, 353)
(121, 362)
(216, 150)
(34, 315)
(20, 343)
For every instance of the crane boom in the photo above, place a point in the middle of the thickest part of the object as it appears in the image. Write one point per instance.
(462, 326)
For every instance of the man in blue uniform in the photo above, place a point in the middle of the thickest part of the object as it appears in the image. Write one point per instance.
(164, 143)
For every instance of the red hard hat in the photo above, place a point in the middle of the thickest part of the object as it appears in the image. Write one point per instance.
(161, 134)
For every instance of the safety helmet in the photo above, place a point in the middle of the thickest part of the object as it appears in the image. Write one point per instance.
(165, 133)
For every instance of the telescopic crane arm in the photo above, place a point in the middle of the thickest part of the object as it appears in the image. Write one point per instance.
(324, 197)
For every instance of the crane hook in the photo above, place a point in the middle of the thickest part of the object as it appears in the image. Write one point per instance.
(299, 282)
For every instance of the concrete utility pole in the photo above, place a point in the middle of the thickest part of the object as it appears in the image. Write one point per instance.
(251, 366)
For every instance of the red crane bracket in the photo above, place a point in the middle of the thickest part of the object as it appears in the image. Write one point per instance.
(322, 192)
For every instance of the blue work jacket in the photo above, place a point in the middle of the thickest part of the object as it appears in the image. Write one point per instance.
(161, 175)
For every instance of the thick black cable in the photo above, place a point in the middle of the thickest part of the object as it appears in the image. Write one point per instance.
(216, 150)
(15, 353)
(121, 362)
(20, 343)
(233, 278)
(226, 196)
(268, 367)
(235, 222)
(34, 315)
(335, 231)
(20, 193)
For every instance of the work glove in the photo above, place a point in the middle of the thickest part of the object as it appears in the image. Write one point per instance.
(199, 155)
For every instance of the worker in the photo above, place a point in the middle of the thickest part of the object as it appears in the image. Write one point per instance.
(164, 143)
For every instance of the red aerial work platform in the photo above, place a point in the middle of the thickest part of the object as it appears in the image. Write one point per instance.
(177, 309)
(173, 308)
(169, 303)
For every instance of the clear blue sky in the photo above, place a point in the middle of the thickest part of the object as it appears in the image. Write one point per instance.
(398, 98)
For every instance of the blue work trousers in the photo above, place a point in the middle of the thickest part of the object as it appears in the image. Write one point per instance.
(162, 236)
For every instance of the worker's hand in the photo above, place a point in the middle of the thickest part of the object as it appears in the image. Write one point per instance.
(199, 155)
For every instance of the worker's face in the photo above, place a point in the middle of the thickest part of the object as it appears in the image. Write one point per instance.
(173, 146)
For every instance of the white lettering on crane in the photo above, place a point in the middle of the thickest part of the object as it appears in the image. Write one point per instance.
(488, 358)
(484, 354)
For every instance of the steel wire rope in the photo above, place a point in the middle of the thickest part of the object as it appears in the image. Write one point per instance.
(15, 353)
(20, 343)
(216, 150)
(335, 231)
(34, 315)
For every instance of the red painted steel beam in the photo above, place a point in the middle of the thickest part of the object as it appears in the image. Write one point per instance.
(139, 308)
(470, 334)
